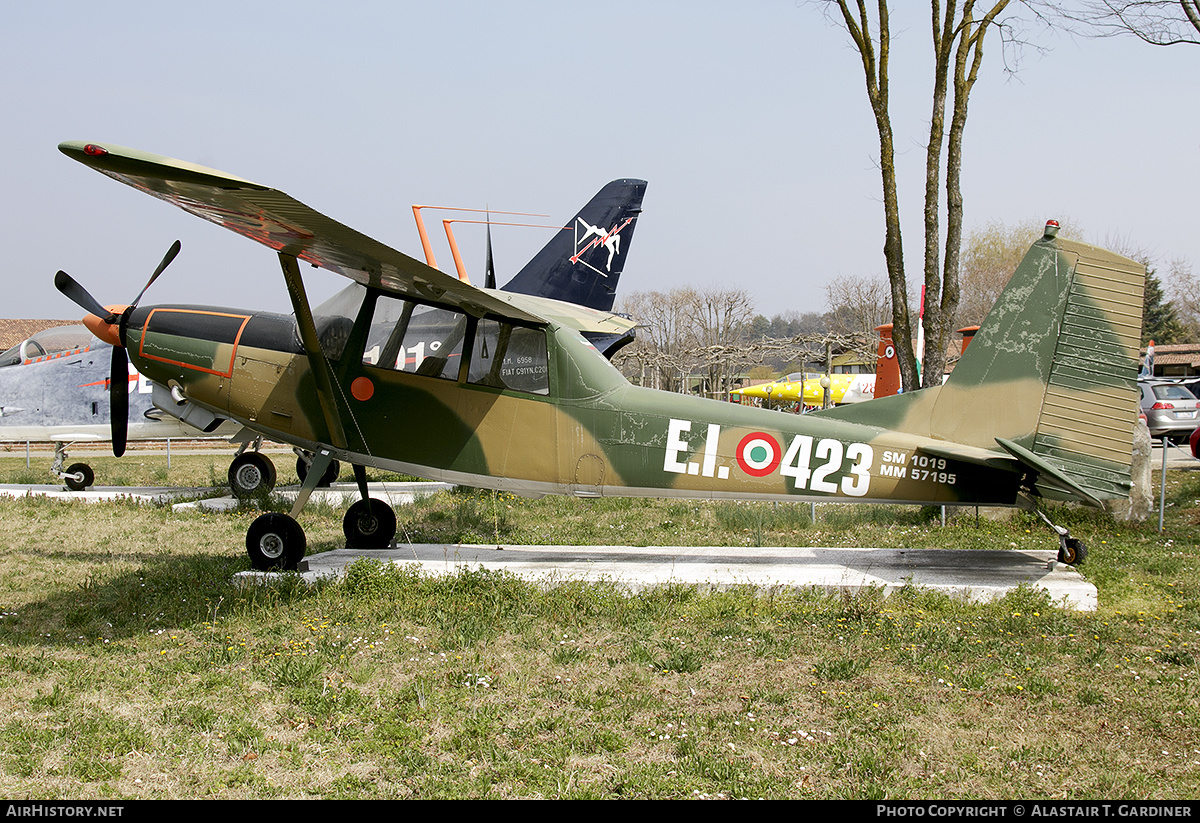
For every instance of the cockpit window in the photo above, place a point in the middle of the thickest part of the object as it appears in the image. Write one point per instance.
(414, 338)
(430, 341)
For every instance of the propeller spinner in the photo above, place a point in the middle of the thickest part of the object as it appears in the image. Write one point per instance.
(107, 323)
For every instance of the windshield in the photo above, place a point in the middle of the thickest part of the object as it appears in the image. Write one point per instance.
(1169, 392)
(335, 318)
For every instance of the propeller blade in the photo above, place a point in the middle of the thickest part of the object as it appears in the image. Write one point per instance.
(166, 261)
(118, 399)
(80, 297)
(118, 376)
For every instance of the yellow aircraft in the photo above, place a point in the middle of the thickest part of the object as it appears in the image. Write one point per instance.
(843, 388)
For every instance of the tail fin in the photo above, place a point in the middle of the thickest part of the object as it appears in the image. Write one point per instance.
(1050, 378)
(583, 263)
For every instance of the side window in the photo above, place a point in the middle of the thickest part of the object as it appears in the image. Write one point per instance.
(414, 338)
(509, 357)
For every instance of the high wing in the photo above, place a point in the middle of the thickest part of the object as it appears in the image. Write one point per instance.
(291, 228)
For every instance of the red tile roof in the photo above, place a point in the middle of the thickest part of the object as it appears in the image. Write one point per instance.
(13, 332)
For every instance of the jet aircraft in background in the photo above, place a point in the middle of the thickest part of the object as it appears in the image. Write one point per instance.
(843, 388)
(54, 388)
(808, 391)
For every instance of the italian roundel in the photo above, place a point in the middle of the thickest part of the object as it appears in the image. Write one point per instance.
(758, 454)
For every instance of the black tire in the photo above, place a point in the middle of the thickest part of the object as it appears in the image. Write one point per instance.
(275, 541)
(369, 524)
(1073, 553)
(251, 474)
(79, 477)
(328, 479)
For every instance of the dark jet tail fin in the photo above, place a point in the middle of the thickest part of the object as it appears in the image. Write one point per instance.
(584, 261)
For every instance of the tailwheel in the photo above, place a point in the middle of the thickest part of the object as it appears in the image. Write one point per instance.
(369, 524)
(78, 476)
(275, 541)
(1072, 551)
(250, 474)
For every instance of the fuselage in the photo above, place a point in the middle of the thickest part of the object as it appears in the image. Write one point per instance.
(535, 410)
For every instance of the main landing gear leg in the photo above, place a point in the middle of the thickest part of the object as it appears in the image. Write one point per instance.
(369, 523)
(77, 476)
(1071, 550)
(276, 541)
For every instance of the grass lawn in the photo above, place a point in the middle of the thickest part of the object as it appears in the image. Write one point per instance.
(133, 668)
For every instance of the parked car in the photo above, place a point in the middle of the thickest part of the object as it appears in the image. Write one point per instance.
(1170, 409)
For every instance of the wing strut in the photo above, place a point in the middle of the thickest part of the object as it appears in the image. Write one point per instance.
(312, 347)
(320, 463)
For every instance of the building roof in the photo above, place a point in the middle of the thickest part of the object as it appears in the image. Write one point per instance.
(13, 332)
(1176, 354)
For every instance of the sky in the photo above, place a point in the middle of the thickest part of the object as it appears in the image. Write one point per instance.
(749, 121)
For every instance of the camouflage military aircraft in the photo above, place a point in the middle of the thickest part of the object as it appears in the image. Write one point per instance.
(514, 397)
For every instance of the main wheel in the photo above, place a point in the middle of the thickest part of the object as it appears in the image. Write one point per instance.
(275, 541)
(327, 479)
(79, 476)
(369, 524)
(1073, 552)
(250, 474)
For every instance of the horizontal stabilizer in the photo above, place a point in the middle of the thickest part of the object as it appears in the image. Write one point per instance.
(973, 455)
(1053, 480)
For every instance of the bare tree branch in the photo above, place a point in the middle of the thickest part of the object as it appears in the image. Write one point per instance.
(1157, 22)
(959, 30)
(707, 332)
